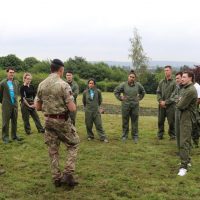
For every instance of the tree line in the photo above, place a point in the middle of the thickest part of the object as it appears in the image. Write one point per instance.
(107, 77)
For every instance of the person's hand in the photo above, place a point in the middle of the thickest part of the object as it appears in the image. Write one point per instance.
(162, 104)
(123, 98)
(101, 110)
(32, 106)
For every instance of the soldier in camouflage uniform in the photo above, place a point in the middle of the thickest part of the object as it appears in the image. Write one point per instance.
(166, 106)
(174, 98)
(75, 91)
(187, 106)
(54, 98)
(132, 92)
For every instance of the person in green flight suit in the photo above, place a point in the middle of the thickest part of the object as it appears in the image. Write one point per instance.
(166, 107)
(92, 100)
(132, 92)
(187, 105)
(8, 97)
(175, 97)
(75, 91)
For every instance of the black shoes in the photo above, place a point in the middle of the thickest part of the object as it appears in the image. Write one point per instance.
(17, 138)
(57, 183)
(69, 180)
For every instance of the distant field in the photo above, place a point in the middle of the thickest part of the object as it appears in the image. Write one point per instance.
(109, 98)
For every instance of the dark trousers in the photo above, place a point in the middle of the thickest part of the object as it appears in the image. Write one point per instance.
(130, 112)
(9, 113)
(26, 113)
(168, 113)
(94, 117)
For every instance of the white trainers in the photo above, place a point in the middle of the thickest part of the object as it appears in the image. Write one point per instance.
(182, 172)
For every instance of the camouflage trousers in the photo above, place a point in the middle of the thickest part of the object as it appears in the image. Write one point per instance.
(57, 131)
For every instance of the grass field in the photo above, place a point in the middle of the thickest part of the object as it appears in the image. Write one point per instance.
(113, 171)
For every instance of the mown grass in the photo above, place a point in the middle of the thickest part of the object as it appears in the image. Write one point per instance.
(113, 171)
(109, 98)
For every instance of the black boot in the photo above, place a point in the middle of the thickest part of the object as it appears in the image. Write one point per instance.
(69, 180)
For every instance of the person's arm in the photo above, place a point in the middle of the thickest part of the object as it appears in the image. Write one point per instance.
(1, 92)
(84, 99)
(118, 90)
(159, 92)
(141, 92)
(185, 100)
(76, 90)
(99, 97)
(38, 105)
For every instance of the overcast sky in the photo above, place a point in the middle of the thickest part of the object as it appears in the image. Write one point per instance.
(99, 30)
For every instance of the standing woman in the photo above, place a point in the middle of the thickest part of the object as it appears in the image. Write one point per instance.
(27, 93)
(92, 100)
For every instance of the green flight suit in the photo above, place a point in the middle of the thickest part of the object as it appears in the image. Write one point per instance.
(75, 91)
(132, 93)
(175, 97)
(164, 91)
(9, 110)
(92, 114)
(187, 106)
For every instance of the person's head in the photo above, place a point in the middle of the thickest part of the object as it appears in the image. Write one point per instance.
(91, 83)
(10, 73)
(69, 76)
(179, 78)
(187, 77)
(168, 71)
(131, 76)
(27, 78)
(57, 66)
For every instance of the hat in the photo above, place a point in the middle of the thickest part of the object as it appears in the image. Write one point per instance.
(57, 62)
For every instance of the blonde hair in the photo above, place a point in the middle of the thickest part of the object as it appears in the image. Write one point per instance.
(25, 75)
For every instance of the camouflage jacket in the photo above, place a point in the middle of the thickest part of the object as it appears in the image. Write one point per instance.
(54, 94)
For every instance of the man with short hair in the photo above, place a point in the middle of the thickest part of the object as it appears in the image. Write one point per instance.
(166, 107)
(75, 91)
(175, 97)
(54, 99)
(8, 98)
(187, 106)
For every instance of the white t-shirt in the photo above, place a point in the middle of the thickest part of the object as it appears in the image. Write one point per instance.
(197, 86)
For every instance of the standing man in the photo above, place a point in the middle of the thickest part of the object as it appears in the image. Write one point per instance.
(54, 98)
(8, 97)
(75, 91)
(166, 107)
(175, 97)
(187, 106)
(132, 92)
(92, 100)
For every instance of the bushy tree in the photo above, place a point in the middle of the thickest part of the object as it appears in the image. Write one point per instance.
(29, 62)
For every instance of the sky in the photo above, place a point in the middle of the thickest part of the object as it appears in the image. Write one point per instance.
(99, 30)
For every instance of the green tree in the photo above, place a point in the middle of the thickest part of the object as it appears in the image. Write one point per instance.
(11, 60)
(30, 62)
(137, 54)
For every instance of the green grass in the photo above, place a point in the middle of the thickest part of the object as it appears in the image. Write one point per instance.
(109, 98)
(113, 171)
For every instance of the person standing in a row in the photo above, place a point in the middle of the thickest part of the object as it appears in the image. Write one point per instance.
(132, 92)
(27, 93)
(166, 107)
(75, 91)
(8, 97)
(92, 100)
(187, 105)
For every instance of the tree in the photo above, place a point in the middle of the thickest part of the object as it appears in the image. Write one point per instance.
(30, 62)
(137, 54)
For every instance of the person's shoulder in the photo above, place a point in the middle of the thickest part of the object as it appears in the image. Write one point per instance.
(3, 81)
